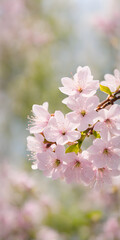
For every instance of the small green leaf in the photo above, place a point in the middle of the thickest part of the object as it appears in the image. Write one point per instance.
(96, 134)
(105, 89)
(80, 141)
(73, 148)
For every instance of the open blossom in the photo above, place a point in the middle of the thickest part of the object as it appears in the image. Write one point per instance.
(82, 83)
(103, 177)
(109, 121)
(61, 130)
(37, 144)
(52, 163)
(78, 169)
(112, 81)
(40, 119)
(83, 110)
(105, 153)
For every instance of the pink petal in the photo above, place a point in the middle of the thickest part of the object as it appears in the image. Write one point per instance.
(40, 112)
(59, 116)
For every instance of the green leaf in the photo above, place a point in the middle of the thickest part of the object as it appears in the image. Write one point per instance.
(105, 89)
(96, 134)
(73, 148)
(80, 141)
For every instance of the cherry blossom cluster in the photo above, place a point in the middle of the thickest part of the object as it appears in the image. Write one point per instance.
(57, 139)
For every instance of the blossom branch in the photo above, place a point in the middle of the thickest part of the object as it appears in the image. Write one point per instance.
(109, 101)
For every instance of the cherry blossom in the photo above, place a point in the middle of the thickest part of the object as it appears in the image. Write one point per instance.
(82, 83)
(103, 177)
(61, 130)
(109, 121)
(84, 110)
(78, 169)
(105, 153)
(52, 163)
(36, 144)
(40, 119)
(112, 81)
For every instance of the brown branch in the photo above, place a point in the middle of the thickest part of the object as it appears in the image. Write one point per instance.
(109, 101)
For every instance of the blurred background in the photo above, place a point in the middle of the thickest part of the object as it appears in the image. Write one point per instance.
(42, 41)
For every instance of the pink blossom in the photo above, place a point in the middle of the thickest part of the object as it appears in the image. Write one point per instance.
(105, 153)
(84, 110)
(103, 177)
(41, 118)
(112, 81)
(82, 83)
(36, 145)
(112, 229)
(78, 169)
(61, 130)
(109, 121)
(52, 163)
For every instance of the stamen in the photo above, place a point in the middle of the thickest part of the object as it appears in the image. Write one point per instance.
(57, 162)
(107, 121)
(77, 164)
(106, 151)
(101, 169)
(79, 89)
(83, 113)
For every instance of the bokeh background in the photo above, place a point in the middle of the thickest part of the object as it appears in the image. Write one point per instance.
(42, 41)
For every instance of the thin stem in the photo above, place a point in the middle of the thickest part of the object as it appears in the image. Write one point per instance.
(109, 101)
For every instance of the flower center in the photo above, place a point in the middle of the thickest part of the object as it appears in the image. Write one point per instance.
(83, 113)
(79, 89)
(77, 164)
(106, 151)
(107, 121)
(48, 145)
(101, 169)
(57, 162)
(63, 133)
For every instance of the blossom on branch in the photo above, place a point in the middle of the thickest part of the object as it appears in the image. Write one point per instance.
(82, 83)
(58, 139)
(61, 130)
(112, 81)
